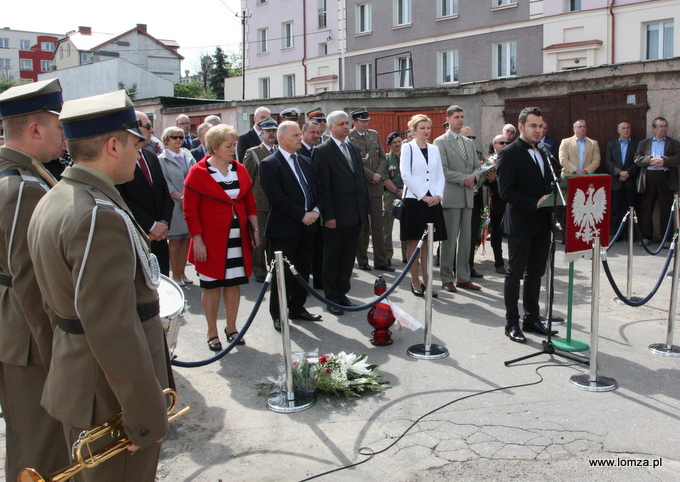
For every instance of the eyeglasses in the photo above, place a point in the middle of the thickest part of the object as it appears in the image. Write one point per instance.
(503, 143)
(148, 126)
(177, 138)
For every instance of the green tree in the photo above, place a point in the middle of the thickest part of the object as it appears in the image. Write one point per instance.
(220, 72)
(6, 83)
(235, 61)
(205, 69)
(192, 90)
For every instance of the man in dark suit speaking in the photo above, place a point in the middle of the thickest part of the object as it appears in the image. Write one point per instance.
(292, 188)
(148, 198)
(347, 206)
(524, 183)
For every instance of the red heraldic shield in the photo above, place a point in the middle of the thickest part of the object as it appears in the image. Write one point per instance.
(588, 211)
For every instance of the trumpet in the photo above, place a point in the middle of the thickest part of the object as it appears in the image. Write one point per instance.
(91, 459)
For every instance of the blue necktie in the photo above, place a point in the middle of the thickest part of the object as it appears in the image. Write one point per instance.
(303, 183)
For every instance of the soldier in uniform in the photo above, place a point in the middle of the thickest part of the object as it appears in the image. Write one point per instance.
(251, 161)
(317, 115)
(373, 157)
(30, 115)
(96, 273)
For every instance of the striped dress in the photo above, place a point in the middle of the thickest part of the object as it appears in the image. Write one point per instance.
(235, 272)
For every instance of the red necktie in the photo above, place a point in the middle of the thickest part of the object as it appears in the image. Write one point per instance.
(144, 168)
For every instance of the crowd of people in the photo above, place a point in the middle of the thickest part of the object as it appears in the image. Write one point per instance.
(318, 188)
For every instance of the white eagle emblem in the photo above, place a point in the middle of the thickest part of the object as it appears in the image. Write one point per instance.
(588, 210)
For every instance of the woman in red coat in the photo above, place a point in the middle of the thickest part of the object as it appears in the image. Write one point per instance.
(219, 208)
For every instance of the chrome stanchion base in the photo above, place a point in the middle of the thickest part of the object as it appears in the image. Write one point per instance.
(634, 299)
(573, 345)
(435, 352)
(601, 384)
(280, 403)
(666, 350)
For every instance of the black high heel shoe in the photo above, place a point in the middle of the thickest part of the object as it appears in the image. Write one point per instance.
(232, 335)
(434, 293)
(417, 293)
(215, 346)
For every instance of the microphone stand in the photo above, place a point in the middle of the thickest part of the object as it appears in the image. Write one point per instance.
(548, 347)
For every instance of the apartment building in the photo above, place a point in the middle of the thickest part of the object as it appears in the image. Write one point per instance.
(24, 54)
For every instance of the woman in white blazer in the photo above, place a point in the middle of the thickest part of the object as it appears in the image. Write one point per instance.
(176, 162)
(423, 176)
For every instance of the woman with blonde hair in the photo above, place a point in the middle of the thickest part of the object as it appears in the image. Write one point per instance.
(176, 161)
(219, 208)
(423, 176)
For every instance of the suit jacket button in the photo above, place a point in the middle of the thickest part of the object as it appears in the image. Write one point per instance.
(144, 432)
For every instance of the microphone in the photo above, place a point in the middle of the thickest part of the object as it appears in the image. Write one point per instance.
(553, 162)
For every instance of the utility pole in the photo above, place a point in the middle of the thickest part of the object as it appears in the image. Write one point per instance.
(244, 15)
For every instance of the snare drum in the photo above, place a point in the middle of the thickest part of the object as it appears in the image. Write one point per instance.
(172, 307)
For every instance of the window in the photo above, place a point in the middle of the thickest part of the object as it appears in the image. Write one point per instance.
(68, 50)
(448, 67)
(287, 35)
(264, 87)
(25, 44)
(261, 1)
(506, 59)
(263, 41)
(503, 3)
(447, 8)
(364, 23)
(289, 85)
(85, 58)
(659, 40)
(402, 12)
(404, 72)
(364, 75)
(46, 65)
(572, 5)
(323, 49)
(322, 13)
(4, 63)
(47, 46)
(26, 64)
(4, 43)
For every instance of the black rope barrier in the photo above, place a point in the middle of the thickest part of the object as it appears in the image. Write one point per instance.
(644, 300)
(665, 236)
(389, 291)
(618, 232)
(242, 333)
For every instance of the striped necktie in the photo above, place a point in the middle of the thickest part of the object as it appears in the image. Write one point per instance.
(303, 182)
(345, 151)
(461, 146)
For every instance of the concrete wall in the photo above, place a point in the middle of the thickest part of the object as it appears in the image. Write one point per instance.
(102, 77)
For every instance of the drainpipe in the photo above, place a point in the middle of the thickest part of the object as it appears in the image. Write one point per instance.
(613, 34)
(304, 43)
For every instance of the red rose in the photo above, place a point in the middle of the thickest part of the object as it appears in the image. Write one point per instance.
(323, 359)
(327, 370)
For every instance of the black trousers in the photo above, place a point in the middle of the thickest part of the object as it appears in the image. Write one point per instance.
(340, 246)
(162, 252)
(622, 199)
(527, 258)
(656, 190)
(299, 252)
(477, 208)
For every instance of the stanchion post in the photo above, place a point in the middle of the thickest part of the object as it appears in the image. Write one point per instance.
(668, 349)
(629, 273)
(591, 382)
(427, 350)
(287, 402)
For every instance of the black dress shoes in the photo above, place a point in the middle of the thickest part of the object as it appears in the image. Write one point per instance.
(346, 302)
(475, 274)
(389, 269)
(305, 315)
(417, 293)
(334, 311)
(365, 267)
(515, 334)
(434, 293)
(277, 324)
(537, 327)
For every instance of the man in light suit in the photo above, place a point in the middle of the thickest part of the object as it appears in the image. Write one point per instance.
(579, 154)
(252, 137)
(148, 198)
(190, 141)
(201, 151)
(109, 351)
(658, 157)
(294, 192)
(30, 114)
(462, 172)
(620, 162)
(251, 161)
(373, 157)
(524, 183)
(340, 170)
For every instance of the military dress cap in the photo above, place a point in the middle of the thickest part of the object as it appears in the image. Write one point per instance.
(99, 114)
(268, 124)
(393, 136)
(316, 115)
(360, 114)
(290, 114)
(29, 98)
